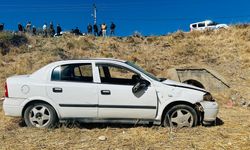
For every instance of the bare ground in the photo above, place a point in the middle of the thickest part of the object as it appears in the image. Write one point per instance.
(231, 132)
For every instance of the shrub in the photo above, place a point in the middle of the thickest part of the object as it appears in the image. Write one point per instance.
(7, 40)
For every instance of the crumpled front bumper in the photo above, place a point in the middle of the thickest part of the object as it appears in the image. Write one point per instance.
(209, 111)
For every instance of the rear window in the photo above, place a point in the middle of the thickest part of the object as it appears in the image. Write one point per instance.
(73, 72)
(194, 25)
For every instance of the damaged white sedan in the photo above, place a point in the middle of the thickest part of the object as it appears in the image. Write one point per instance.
(104, 90)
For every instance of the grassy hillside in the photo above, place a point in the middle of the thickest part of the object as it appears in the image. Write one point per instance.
(225, 51)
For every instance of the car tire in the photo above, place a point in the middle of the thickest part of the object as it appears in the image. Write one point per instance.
(40, 115)
(180, 116)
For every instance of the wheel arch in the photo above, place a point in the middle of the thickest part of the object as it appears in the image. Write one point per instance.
(181, 102)
(39, 101)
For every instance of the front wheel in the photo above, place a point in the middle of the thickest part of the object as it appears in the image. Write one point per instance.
(180, 116)
(40, 115)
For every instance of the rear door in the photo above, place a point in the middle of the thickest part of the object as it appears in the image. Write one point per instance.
(72, 88)
(116, 99)
(201, 26)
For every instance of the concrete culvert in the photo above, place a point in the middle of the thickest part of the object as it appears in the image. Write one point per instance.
(194, 83)
(201, 77)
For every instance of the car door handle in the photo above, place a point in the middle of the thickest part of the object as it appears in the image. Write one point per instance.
(57, 90)
(105, 92)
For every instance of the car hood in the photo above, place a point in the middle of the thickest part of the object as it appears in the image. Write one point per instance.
(222, 25)
(182, 85)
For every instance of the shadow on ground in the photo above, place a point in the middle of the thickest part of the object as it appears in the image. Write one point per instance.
(218, 122)
(81, 125)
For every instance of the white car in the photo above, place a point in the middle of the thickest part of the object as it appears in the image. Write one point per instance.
(207, 24)
(104, 90)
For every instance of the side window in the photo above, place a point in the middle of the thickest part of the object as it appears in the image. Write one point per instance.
(73, 72)
(77, 72)
(117, 75)
(86, 70)
(120, 73)
(56, 74)
(212, 24)
(201, 25)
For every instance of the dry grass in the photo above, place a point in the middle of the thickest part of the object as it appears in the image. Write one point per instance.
(225, 51)
(234, 133)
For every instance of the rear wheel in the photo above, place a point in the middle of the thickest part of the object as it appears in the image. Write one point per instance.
(40, 115)
(180, 116)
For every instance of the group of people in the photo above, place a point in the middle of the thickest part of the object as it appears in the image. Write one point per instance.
(46, 30)
(103, 29)
(28, 28)
(49, 30)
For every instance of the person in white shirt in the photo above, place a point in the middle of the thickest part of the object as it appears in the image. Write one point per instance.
(45, 29)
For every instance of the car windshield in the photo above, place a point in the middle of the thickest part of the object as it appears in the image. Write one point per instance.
(143, 71)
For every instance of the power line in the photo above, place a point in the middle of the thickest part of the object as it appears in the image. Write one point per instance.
(178, 19)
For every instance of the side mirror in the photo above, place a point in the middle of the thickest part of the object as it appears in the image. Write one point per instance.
(140, 85)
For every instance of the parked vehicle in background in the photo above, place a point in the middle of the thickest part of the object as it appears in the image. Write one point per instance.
(105, 90)
(207, 24)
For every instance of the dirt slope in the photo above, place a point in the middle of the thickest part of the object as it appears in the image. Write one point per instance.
(225, 51)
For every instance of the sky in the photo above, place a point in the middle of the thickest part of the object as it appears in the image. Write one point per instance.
(148, 17)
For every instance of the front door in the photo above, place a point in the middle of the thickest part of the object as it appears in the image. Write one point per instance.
(72, 88)
(116, 99)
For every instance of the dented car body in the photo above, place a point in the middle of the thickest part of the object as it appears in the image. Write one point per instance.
(105, 90)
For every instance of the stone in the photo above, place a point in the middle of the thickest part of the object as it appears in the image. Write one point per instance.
(248, 104)
(102, 138)
(243, 103)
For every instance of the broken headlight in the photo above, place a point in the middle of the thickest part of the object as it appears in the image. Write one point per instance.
(208, 97)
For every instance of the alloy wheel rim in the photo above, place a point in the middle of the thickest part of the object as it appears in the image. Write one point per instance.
(39, 116)
(181, 118)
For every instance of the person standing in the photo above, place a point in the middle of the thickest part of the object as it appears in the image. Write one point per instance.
(104, 29)
(58, 30)
(45, 30)
(1, 27)
(33, 30)
(95, 30)
(77, 31)
(28, 27)
(112, 29)
(51, 29)
(20, 28)
(89, 28)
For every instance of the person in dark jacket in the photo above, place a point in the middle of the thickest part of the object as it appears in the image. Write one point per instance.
(51, 29)
(89, 28)
(112, 29)
(95, 30)
(34, 30)
(58, 30)
(20, 27)
(1, 27)
(76, 31)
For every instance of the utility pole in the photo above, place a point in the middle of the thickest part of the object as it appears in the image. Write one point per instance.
(94, 13)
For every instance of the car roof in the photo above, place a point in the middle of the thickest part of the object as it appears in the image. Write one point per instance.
(205, 21)
(91, 59)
